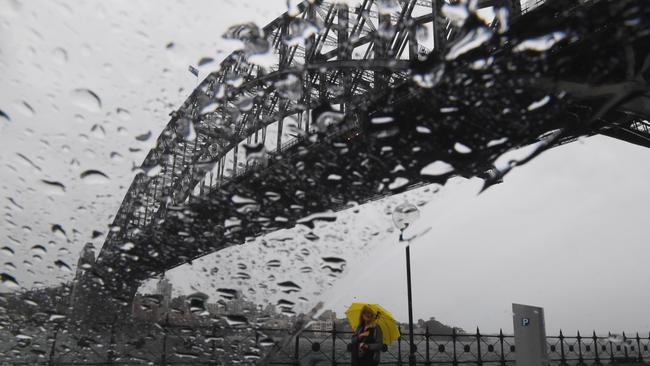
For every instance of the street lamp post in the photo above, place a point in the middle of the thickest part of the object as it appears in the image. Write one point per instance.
(403, 216)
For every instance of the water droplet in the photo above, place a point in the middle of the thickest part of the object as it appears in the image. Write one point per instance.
(30, 302)
(267, 342)
(210, 108)
(273, 263)
(273, 196)
(86, 99)
(457, 13)
(58, 231)
(289, 287)
(423, 130)
(387, 6)
(299, 31)
(186, 355)
(256, 46)
(285, 305)
(472, 40)
(94, 177)
(123, 114)
(62, 265)
(9, 281)
(497, 142)
(245, 104)
(436, 168)
(115, 156)
(26, 109)
(334, 264)
(28, 162)
(51, 187)
(310, 220)
(127, 246)
(242, 276)
(144, 136)
(235, 320)
(4, 116)
(448, 109)
(60, 55)
(421, 34)
(255, 152)
(540, 44)
(399, 182)
(539, 103)
(615, 338)
(227, 293)
(185, 128)
(503, 17)
(462, 149)
(290, 87)
(55, 317)
(39, 249)
(381, 120)
(306, 269)
(327, 118)
(98, 131)
(23, 337)
(205, 61)
(151, 171)
(7, 251)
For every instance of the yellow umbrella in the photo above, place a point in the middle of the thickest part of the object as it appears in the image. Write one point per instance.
(384, 319)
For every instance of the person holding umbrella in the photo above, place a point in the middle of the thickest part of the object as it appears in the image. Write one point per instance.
(373, 327)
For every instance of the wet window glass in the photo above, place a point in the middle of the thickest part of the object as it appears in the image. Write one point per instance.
(324, 182)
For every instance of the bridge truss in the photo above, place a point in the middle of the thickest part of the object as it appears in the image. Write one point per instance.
(321, 58)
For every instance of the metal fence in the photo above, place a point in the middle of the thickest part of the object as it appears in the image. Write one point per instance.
(329, 348)
(167, 344)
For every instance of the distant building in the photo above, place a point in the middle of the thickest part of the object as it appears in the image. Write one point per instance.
(85, 262)
(218, 308)
(147, 307)
(325, 322)
(164, 289)
(240, 306)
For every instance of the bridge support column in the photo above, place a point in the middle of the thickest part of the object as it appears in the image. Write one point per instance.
(345, 50)
(381, 47)
(438, 32)
(101, 298)
(307, 76)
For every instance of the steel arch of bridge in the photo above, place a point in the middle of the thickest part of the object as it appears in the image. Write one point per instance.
(328, 69)
(239, 102)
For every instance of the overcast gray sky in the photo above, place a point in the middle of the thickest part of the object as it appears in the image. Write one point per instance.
(567, 232)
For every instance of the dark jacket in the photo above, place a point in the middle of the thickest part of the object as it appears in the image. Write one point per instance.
(374, 340)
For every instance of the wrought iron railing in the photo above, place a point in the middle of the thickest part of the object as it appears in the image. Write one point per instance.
(470, 349)
(202, 343)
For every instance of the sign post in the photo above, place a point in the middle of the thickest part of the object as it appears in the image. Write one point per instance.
(530, 335)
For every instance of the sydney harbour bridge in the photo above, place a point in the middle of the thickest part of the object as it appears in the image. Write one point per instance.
(332, 105)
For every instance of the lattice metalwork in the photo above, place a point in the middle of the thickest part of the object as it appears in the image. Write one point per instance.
(322, 53)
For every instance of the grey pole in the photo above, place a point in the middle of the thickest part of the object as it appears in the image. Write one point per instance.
(410, 300)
